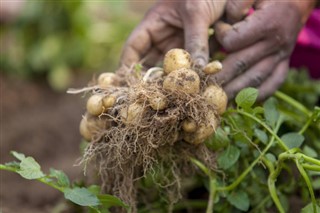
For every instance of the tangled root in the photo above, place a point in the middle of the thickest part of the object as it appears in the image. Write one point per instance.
(142, 135)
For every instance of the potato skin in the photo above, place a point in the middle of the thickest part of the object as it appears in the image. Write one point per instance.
(204, 131)
(84, 130)
(182, 80)
(109, 101)
(215, 96)
(107, 79)
(132, 114)
(158, 102)
(176, 59)
(95, 105)
(212, 68)
(189, 125)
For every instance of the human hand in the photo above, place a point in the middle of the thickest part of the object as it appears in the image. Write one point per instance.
(173, 24)
(260, 45)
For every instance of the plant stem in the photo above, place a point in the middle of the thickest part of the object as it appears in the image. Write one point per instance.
(292, 102)
(212, 194)
(307, 180)
(305, 127)
(281, 143)
(311, 167)
(43, 180)
(246, 172)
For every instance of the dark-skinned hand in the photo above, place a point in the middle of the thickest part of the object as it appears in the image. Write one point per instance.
(173, 24)
(259, 46)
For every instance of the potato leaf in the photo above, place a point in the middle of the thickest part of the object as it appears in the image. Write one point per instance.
(18, 155)
(61, 177)
(239, 199)
(270, 112)
(109, 200)
(228, 157)
(292, 139)
(246, 97)
(261, 135)
(81, 196)
(30, 169)
(309, 208)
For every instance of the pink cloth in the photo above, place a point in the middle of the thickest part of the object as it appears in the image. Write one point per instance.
(307, 50)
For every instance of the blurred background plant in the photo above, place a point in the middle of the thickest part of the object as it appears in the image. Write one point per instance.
(58, 39)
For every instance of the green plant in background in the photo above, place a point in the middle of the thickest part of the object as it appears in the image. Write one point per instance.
(57, 38)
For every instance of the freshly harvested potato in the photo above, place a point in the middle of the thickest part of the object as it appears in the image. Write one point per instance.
(189, 125)
(212, 68)
(132, 114)
(107, 79)
(204, 131)
(182, 80)
(158, 102)
(109, 101)
(215, 96)
(95, 105)
(84, 130)
(176, 59)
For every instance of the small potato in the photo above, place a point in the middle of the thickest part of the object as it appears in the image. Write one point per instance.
(212, 68)
(109, 101)
(107, 79)
(176, 59)
(215, 96)
(132, 114)
(189, 125)
(95, 105)
(84, 130)
(182, 80)
(204, 131)
(158, 102)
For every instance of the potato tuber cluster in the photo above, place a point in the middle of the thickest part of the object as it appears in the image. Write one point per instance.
(151, 118)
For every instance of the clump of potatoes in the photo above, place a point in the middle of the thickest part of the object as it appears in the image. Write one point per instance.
(178, 81)
(138, 120)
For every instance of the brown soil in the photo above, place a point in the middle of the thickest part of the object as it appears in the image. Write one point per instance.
(44, 124)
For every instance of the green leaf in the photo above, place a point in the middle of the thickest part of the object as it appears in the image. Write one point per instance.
(30, 169)
(62, 178)
(109, 200)
(219, 140)
(246, 97)
(310, 151)
(261, 135)
(309, 208)
(228, 157)
(18, 155)
(292, 139)
(271, 157)
(270, 112)
(239, 199)
(81, 196)
(258, 110)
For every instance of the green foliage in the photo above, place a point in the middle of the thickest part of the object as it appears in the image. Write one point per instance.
(260, 149)
(54, 39)
(90, 197)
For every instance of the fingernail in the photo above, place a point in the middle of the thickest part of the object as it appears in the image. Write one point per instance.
(200, 62)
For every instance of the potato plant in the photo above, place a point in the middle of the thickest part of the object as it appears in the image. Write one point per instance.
(264, 154)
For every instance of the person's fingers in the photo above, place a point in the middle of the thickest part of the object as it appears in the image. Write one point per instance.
(274, 81)
(253, 77)
(237, 63)
(138, 43)
(242, 34)
(236, 10)
(196, 40)
(156, 53)
(152, 30)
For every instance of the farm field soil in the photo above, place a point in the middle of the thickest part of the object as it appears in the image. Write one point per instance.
(43, 124)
